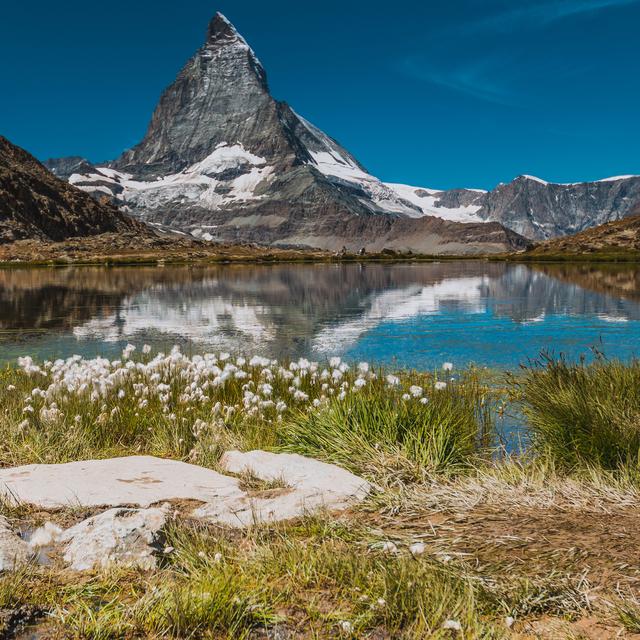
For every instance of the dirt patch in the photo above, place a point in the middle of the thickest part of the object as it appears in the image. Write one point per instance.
(532, 541)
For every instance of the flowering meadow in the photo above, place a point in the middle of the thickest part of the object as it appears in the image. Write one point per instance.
(446, 546)
(195, 407)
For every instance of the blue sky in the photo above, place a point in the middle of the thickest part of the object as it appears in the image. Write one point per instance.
(439, 94)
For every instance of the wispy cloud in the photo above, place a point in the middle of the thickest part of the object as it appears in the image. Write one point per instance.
(475, 77)
(472, 57)
(536, 14)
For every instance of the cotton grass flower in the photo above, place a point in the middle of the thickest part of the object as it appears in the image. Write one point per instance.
(452, 625)
(346, 626)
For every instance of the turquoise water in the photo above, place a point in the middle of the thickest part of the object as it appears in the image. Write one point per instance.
(407, 315)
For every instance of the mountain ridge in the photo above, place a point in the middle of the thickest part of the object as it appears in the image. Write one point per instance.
(223, 160)
(34, 204)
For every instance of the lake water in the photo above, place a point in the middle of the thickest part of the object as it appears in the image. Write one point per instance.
(406, 315)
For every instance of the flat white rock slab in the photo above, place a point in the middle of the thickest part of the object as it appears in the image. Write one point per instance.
(312, 485)
(136, 480)
(145, 480)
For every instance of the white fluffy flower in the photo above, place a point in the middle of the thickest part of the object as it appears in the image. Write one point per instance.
(453, 625)
(346, 626)
(440, 386)
(448, 366)
(393, 381)
(415, 391)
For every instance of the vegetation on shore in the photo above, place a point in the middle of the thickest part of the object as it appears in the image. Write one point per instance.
(617, 241)
(124, 249)
(445, 547)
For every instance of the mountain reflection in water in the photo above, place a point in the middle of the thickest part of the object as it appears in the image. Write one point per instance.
(413, 315)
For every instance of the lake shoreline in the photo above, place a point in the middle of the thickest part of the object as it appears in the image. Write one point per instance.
(113, 251)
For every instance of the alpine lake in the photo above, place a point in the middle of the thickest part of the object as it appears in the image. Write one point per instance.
(404, 315)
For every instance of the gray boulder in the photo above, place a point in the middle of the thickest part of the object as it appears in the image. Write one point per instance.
(124, 537)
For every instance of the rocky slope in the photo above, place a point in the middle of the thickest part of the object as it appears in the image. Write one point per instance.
(223, 160)
(618, 237)
(35, 204)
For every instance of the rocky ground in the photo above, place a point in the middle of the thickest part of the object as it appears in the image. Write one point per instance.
(145, 248)
(539, 559)
(619, 240)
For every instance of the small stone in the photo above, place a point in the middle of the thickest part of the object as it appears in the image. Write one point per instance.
(509, 621)
(45, 536)
(14, 552)
(417, 549)
(346, 626)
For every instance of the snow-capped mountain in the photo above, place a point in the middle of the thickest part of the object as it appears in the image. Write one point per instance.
(533, 207)
(223, 160)
(540, 210)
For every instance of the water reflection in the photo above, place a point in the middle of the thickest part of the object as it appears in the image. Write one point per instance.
(412, 314)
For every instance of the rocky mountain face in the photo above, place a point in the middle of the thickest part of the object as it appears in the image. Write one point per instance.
(617, 237)
(535, 209)
(35, 204)
(222, 160)
(541, 210)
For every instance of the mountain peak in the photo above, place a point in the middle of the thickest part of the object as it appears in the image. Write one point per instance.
(222, 34)
(221, 27)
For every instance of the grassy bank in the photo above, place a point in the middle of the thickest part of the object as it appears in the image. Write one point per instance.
(458, 539)
(131, 250)
(610, 255)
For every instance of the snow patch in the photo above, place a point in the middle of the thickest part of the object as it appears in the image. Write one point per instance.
(535, 179)
(427, 201)
(616, 178)
(196, 184)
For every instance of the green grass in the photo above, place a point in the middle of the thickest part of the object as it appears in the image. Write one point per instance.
(329, 576)
(583, 415)
(316, 579)
(629, 615)
(367, 429)
(372, 430)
